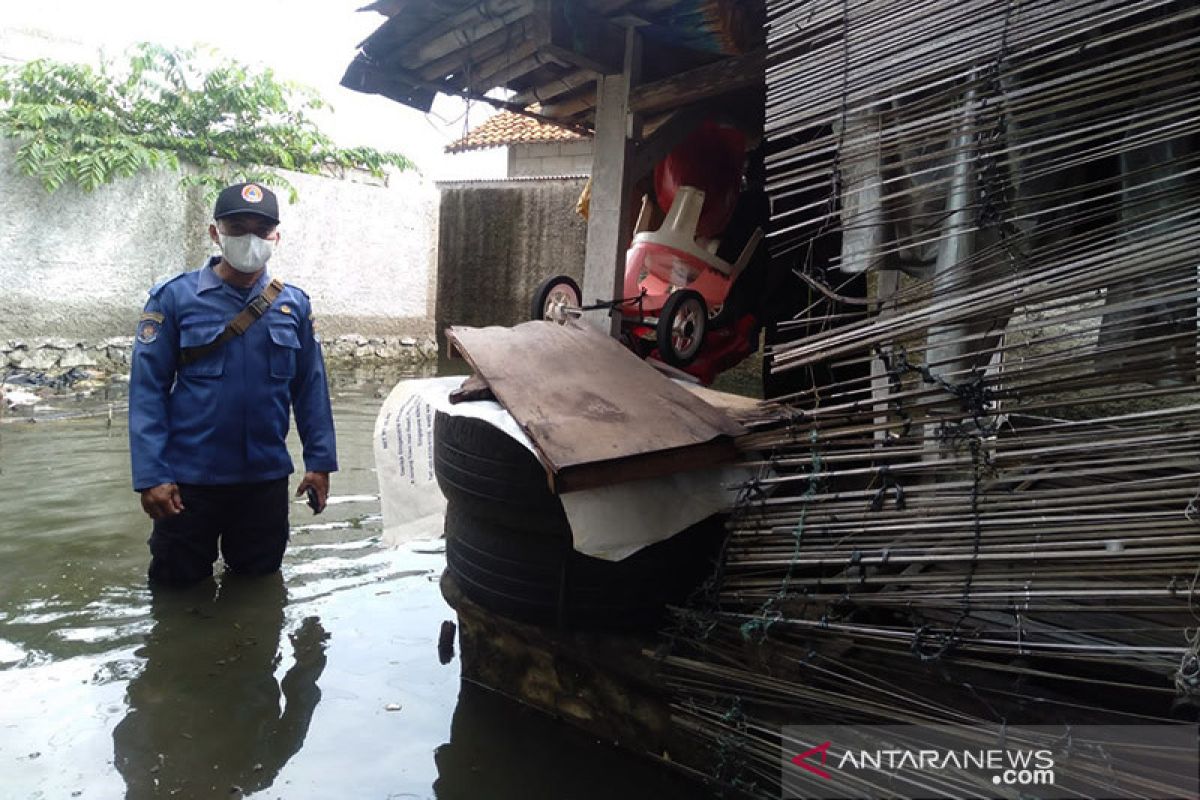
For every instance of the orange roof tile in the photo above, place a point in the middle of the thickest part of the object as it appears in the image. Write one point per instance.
(505, 128)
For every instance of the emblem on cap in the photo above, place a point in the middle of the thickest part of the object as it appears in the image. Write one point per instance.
(252, 193)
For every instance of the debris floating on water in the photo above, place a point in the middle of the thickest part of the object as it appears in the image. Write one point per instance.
(14, 398)
(446, 642)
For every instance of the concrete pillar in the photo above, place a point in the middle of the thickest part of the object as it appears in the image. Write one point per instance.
(610, 226)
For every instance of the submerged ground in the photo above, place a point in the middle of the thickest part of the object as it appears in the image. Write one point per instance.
(324, 683)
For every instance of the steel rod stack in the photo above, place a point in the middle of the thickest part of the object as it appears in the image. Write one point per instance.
(990, 513)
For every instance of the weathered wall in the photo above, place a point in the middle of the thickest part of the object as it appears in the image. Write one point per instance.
(550, 158)
(78, 265)
(498, 241)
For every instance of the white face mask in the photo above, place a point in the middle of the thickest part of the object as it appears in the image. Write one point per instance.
(246, 253)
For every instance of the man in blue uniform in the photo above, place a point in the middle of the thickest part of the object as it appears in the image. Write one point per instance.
(222, 356)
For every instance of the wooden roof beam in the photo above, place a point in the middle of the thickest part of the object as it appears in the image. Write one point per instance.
(571, 106)
(520, 68)
(555, 88)
(491, 71)
(701, 83)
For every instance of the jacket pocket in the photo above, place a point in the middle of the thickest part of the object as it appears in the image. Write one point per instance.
(285, 344)
(199, 334)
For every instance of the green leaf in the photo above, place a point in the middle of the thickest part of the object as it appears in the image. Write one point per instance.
(168, 107)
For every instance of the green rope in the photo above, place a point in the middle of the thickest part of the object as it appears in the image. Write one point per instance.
(731, 746)
(756, 630)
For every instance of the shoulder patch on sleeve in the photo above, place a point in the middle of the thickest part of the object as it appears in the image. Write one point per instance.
(148, 329)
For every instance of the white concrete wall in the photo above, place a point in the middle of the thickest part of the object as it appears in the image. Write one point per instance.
(366, 254)
(550, 158)
(77, 265)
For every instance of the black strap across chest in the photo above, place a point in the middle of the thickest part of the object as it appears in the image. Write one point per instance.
(238, 325)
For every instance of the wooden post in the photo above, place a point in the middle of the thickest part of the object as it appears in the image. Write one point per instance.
(610, 221)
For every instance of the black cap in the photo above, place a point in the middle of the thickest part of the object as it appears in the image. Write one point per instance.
(247, 198)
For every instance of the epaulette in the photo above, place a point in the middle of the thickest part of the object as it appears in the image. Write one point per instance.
(296, 288)
(157, 288)
(307, 301)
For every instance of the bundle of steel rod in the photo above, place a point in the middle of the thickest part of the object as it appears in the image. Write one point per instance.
(990, 513)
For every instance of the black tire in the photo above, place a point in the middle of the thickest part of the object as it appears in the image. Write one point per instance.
(483, 471)
(682, 324)
(542, 580)
(541, 297)
(510, 572)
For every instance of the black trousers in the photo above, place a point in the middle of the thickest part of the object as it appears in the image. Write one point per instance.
(248, 522)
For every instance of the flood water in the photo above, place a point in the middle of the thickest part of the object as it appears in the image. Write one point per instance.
(322, 682)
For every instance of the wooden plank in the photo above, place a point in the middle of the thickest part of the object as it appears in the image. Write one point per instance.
(596, 413)
(510, 70)
(701, 83)
(570, 106)
(515, 72)
(561, 85)
(651, 465)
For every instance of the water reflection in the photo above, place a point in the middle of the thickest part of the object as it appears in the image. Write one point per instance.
(205, 717)
(502, 750)
(106, 690)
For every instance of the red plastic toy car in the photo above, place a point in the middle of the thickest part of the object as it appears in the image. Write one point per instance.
(675, 287)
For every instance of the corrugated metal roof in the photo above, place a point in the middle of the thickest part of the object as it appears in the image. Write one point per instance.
(505, 128)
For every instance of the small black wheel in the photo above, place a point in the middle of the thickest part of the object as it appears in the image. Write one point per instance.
(682, 324)
(553, 296)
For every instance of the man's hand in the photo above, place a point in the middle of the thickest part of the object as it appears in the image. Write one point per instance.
(318, 481)
(162, 501)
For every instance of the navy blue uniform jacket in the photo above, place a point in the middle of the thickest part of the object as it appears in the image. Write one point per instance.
(224, 418)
